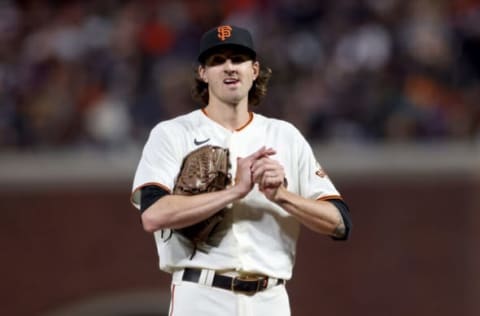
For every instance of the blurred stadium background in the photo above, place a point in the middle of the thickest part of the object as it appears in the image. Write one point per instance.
(386, 90)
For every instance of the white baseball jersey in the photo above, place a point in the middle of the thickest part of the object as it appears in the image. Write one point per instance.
(257, 236)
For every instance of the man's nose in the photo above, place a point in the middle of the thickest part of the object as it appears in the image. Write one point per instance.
(228, 65)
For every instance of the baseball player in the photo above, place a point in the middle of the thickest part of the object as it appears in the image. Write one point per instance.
(277, 185)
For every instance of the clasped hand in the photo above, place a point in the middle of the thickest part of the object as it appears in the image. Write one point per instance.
(259, 168)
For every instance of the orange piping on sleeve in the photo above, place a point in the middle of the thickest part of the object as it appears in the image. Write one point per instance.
(330, 197)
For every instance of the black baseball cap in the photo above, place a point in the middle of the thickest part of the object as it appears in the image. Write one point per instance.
(224, 36)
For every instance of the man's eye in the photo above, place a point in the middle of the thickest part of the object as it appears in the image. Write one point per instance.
(238, 59)
(217, 60)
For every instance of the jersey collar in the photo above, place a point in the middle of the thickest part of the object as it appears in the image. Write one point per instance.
(250, 119)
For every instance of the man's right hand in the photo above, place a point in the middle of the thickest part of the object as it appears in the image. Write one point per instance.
(243, 178)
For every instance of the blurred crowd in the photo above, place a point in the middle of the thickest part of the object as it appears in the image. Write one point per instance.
(102, 73)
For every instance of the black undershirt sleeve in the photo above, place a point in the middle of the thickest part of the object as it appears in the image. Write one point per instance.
(149, 195)
(345, 212)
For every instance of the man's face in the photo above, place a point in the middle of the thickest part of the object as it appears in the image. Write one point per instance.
(230, 74)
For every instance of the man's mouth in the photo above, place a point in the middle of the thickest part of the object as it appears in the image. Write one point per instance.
(230, 81)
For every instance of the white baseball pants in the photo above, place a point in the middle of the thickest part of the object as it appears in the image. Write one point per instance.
(188, 299)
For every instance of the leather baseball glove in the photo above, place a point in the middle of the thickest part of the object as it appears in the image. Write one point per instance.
(205, 169)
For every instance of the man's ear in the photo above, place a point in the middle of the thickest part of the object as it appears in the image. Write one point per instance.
(201, 73)
(256, 69)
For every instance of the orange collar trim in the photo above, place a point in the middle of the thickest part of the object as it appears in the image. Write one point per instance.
(250, 119)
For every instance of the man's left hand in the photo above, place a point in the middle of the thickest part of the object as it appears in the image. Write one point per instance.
(269, 175)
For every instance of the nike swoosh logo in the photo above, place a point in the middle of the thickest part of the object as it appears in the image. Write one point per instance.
(199, 142)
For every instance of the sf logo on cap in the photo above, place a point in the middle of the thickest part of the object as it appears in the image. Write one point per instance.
(224, 32)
